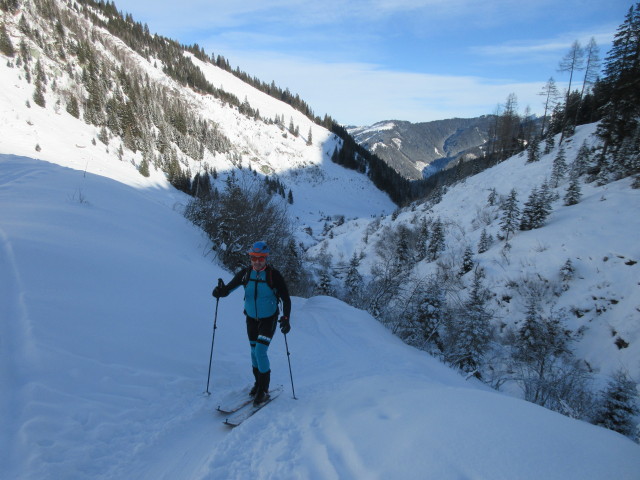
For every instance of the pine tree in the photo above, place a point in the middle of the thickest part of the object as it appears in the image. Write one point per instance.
(582, 160)
(533, 152)
(38, 95)
(485, 241)
(324, 285)
(431, 314)
(436, 240)
(403, 252)
(549, 144)
(567, 273)
(467, 261)
(619, 405)
(574, 193)
(622, 70)
(423, 238)
(292, 268)
(493, 196)
(6, 47)
(510, 213)
(540, 347)
(353, 281)
(559, 168)
(528, 219)
(473, 331)
(144, 168)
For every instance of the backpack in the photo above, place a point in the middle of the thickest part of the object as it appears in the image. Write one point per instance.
(246, 278)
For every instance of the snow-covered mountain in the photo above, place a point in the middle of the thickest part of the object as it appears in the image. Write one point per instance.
(417, 150)
(106, 311)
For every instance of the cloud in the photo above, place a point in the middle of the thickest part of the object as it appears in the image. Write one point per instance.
(364, 93)
(556, 46)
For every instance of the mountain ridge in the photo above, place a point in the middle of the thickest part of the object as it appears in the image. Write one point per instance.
(418, 150)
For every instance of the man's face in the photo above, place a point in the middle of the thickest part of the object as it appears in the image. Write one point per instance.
(258, 262)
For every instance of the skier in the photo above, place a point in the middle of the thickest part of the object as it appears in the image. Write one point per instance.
(264, 287)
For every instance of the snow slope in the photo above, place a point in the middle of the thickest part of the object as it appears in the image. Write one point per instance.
(106, 322)
(599, 235)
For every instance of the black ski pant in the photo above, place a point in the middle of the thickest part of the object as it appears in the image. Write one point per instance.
(260, 332)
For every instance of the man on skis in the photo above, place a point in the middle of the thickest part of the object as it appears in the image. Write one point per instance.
(264, 287)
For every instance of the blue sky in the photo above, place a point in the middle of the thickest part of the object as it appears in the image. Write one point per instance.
(363, 61)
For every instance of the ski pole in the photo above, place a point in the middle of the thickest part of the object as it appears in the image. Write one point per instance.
(213, 338)
(289, 360)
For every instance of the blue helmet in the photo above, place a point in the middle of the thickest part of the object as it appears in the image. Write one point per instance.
(259, 248)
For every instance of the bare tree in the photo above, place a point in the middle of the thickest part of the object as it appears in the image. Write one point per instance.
(572, 62)
(591, 70)
(550, 94)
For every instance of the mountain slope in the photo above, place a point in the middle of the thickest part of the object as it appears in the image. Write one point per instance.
(600, 304)
(168, 141)
(416, 150)
(106, 321)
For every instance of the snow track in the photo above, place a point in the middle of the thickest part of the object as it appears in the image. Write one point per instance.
(16, 353)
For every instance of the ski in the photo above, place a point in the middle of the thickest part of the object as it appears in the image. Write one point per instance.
(234, 401)
(236, 418)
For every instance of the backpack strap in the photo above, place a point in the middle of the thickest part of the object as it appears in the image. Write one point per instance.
(246, 278)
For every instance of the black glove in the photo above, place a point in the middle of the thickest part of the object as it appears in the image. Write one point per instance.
(285, 326)
(220, 290)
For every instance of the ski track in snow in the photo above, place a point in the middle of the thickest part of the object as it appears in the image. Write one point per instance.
(16, 349)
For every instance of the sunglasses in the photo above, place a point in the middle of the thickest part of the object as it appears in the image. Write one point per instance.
(255, 258)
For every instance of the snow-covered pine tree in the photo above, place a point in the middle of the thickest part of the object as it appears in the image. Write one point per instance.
(549, 144)
(468, 337)
(510, 214)
(436, 240)
(431, 314)
(529, 212)
(539, 356)
(292, 268)
(559, 168)
(467, 261)
(533, 152)
(404, 252)
(574, 193)
(324, 285)
(619, 405)
(485, 241)
(492, 198)
(582, 161)
(353, 282)
(566, 273)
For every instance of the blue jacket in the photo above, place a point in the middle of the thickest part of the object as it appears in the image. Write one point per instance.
(262, 290)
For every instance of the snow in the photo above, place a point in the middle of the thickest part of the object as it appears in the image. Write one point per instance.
(106, 320)
(106, 328)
